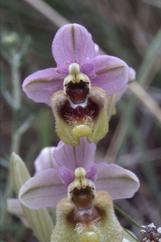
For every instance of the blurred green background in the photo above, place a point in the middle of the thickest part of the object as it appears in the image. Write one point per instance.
(129, 29)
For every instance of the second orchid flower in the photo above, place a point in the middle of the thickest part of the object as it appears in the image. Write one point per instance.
(63, 168)
(68, 178)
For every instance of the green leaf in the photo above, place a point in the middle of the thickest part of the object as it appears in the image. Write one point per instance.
(150, 59)
(39, 220)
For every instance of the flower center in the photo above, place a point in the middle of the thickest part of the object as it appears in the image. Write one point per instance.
(80, 174)
(85, 214)
(82, 190)
(87, 112)
(76, 85)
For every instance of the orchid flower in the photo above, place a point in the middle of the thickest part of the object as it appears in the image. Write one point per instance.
(96, 224)
(80, 219)
(82, 87)
(67, 169)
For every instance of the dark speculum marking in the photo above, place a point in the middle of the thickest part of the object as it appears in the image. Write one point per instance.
(73, 37)
(77, 92)
(83, 197)
(85, 215)
(79, 114)
(85, 212)
(105, 70)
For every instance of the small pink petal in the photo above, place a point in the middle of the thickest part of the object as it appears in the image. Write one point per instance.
(91, 172)
(88, 69)
(40, 85)
(132, 74)
(66, 175)
(43, 190)
(119, 182)
(64, 155)
(111, 73)
(97, 49)
(72, 157)
(73, 43)
(45, 159)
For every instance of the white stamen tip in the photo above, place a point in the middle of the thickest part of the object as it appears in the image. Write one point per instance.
(74, 69)
(80, 172)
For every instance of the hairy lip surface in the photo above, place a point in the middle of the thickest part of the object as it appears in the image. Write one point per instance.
(79, 113)
(85, 211)
(86, 215)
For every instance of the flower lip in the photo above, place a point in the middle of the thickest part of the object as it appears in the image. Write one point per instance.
(78, 113)
(83, 197)
(87, 212)
(86, 216)
(88, 119)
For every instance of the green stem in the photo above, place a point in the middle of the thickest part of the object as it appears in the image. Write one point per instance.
(127, 216)
(131, 235)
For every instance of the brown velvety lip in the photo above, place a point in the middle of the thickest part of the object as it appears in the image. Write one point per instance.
(84, 212)
(85, 216)
(80, 113)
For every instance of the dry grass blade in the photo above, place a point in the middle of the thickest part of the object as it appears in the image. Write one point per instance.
(146, 100)
(151, 62)
(115, 142)
(48, 12)
(122, 130)
(155, 3)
